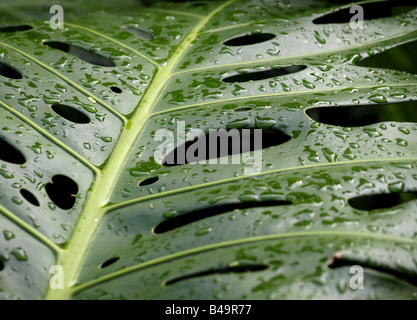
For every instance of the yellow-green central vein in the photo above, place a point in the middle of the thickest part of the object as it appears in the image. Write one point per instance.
(94, 209)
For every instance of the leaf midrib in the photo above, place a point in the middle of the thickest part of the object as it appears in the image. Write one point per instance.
(71, 258)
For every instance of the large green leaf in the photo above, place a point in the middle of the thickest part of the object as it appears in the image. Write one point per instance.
(132, 228)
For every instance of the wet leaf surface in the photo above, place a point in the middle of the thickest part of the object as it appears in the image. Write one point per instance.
(82, 186)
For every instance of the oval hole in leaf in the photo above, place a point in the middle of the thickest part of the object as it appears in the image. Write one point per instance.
(9, 72)
(148, 181)
(109, 262)
(139, 32)
(224, 143)
(1, 265)
(358, 116)
(29, 196)
(70, 113)
(242, 109)
(381, 201)
(196, 215)
(62, 191)
(371, 11)
(261, 75)
(81, 53)
(249, 39)
(234, 269)
(401, 58)
(115, 89)
(23, 27)
(10, 154)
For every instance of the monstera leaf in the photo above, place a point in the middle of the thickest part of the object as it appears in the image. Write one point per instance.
(89, 211)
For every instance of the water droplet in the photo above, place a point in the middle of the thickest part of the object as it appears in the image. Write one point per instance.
(401, 142)
(8, 235)
(16, 200)
(91, 99)
(319, 38)
(6, 174)
(378, 98)
(396, 187)
(404, 130)
(203, 231)
(329, 154)
(19, 254)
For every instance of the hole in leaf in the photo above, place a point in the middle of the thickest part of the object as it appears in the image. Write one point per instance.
(374, 10)
(236, 269)
(116, 89)
(109, 262)
(24, 27)
(402, 58)
(358, 116)
(62, 191)
(193, 216)
(261, 75)
(148, 181)
(10, 154)
(29, 196)
(9, 72)
(141, 33)
(342, 259)
(70, 113)
(241, 109)
(224, 143)
(1, 265)
(381, 201)
(249, 39)
(81, 53)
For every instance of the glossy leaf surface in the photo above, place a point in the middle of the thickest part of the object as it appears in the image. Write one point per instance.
(85, 191)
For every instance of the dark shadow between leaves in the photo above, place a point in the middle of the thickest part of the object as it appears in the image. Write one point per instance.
(341, 259)
(401, 58)
(374, 10)
(364, 115)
